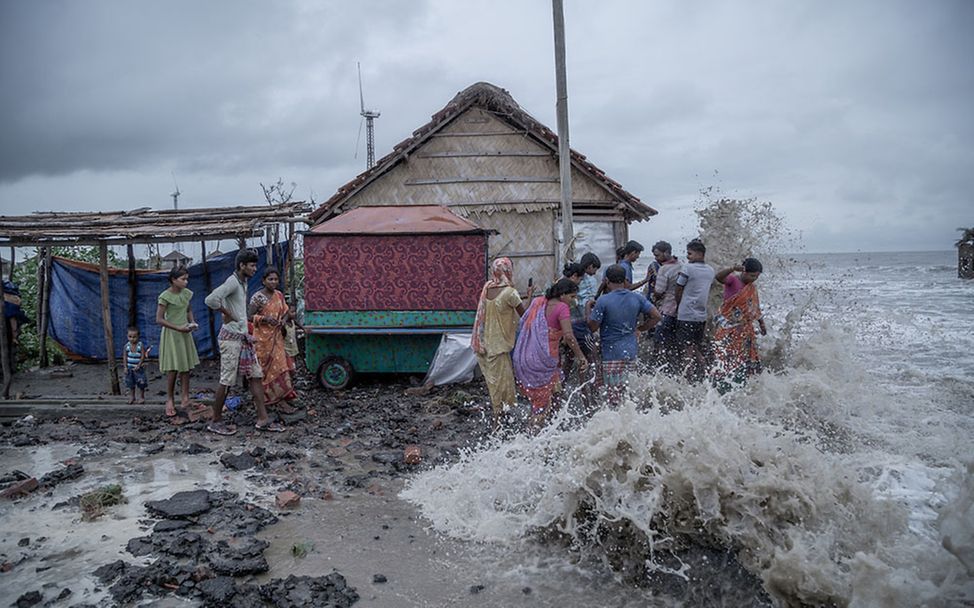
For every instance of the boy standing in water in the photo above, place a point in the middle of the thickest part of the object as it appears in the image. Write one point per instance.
(692, 290)
(237, 355)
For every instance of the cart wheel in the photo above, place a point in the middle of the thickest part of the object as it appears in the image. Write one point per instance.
(335, 373)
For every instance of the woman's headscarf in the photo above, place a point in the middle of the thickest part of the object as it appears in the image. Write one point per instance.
(501, 275)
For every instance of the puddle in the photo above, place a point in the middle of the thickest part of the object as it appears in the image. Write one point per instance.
(73, 548)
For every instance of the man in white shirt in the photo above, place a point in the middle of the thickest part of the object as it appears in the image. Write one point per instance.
(692, 291)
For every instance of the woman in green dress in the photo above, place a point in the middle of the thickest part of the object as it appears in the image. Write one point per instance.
(177, 351)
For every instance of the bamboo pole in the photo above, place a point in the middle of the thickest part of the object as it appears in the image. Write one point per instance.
(5, 350)
(292, 287)
(39, 281)
(133, 287)
(13, 261)
(211, 322)
(45, 306)
(106, 319)
(268, 239)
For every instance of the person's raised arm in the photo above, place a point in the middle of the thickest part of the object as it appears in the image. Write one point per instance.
(722, 274)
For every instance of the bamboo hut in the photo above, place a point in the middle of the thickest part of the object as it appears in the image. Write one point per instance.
(491, 162)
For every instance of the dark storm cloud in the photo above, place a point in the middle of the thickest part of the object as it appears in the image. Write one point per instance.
(220, 85)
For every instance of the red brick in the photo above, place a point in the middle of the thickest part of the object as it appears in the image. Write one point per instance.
(412, 454)
(287, 500)
(21, 488)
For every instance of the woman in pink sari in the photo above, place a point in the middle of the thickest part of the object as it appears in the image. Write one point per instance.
(734, 337)
(542, 328)
(268, 312)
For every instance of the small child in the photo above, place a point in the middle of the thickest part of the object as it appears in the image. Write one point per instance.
(135, 365)
(291, 326)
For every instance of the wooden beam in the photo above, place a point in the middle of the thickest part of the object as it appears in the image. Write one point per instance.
(500, 153)
(487, 179)
(292, 288)
(133, 287)
(32, 240)
(44, 304)
(210, 321)
(481, 134)
(106, 318)
(5, 350)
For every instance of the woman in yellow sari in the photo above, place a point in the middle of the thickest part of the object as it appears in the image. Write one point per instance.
(268, 312)
(734, 336)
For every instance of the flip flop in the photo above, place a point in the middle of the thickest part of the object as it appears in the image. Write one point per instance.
(220, 429)
(270, 427)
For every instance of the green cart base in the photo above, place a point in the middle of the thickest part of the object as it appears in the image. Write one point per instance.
(340, 344)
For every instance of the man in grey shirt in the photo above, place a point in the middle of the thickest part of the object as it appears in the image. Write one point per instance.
(692, 290)
(237, 356)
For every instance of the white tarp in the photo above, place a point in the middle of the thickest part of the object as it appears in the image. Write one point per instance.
(454, 361)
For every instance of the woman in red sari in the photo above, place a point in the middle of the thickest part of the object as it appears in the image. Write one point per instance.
(734, 336)
(542, 328)
(268, 312)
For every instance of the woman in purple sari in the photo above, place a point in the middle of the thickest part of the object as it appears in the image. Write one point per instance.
(542, 328)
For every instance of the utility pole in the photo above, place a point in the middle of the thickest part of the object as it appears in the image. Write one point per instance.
(564, 148)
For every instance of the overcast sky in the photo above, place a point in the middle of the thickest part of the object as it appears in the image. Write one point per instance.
(853, 117)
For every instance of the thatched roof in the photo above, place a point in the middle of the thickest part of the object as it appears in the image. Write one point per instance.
(145, 225)
(499, 102)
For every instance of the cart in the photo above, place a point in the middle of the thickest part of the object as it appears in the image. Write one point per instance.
(383, 283)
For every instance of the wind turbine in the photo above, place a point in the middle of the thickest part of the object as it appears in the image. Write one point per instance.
(368, 117)
(175, 195)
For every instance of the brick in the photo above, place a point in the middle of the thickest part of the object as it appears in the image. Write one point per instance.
(412, 454)
(287, 500)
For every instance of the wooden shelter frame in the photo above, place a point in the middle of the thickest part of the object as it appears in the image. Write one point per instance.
(45, 230)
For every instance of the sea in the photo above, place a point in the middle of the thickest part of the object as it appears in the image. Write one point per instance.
(842, 475)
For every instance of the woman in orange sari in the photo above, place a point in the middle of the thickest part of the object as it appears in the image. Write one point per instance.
(268, 312)
(536, 364)
(734, 336)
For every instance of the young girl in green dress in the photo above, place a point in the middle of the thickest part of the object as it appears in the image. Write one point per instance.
(177, 351)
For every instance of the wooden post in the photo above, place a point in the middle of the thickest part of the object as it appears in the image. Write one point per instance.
(292, 287)
(241, 244)
(211, 323)
(106, 319)
(44, 304)
(5, 350)
(268, 237)
(39, 297)
(133, 287)
(13, 260)
(564, 150)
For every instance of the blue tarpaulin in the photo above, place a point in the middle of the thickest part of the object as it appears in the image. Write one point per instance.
(75, 306)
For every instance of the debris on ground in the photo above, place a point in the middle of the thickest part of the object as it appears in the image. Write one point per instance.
(93, 504)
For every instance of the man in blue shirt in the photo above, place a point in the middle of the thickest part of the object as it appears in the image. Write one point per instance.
(615, 316)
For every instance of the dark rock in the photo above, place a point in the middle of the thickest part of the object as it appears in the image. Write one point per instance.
(386, 457)
(63, 595)
(23, 542)
(28, 599)
(72, 471)
(238, 462)
(379, 578)
(476, 588)
(110, 572)
(195, 448)
(238, 561)
(218, 591)
(154, 448)
(168, 525)
(181, 504)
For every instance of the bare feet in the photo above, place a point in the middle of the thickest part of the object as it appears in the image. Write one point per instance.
(170, 408)
(131, 399)
(141, 400)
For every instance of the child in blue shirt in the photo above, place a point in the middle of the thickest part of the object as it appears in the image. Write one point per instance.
(135, 365)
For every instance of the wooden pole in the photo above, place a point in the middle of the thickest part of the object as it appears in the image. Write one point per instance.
(39, 281)
(5, 350)
(268, 239)
(211, 322)
(133, 287)
(292, 283)
(564, 149)
(13, 260)
(44, 304)
(106, 319)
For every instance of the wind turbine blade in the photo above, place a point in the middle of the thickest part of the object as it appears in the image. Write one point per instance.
(359, 138)
(361, 97)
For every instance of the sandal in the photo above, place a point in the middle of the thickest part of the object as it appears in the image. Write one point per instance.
(270, 427)
(220, 428)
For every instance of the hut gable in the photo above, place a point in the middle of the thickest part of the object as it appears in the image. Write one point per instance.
(483, 150)
(491, 162)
